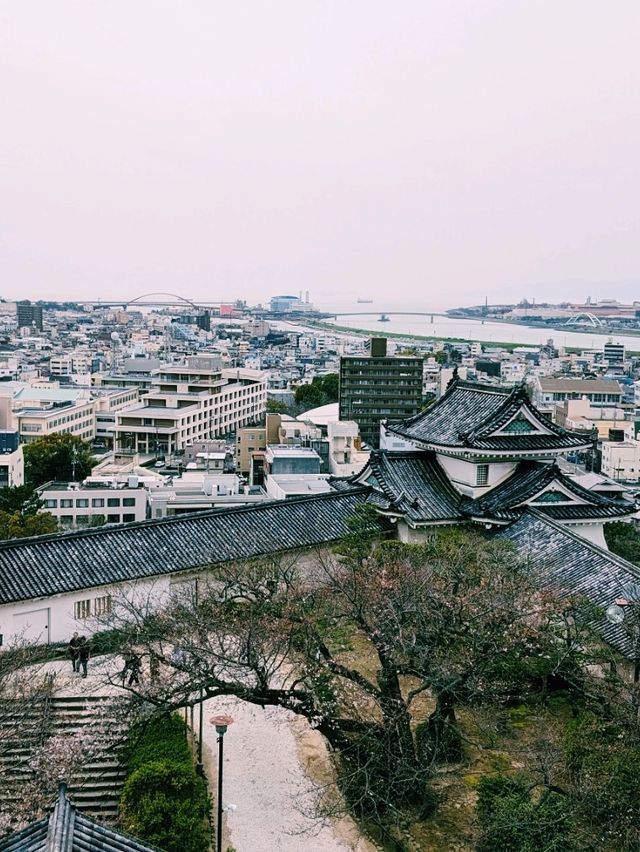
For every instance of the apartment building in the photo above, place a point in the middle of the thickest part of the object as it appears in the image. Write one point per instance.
(378, 387)
(189, 403)
(11, 460)
(37, 410)
(621, 460)
(548, 391)
(71, 363)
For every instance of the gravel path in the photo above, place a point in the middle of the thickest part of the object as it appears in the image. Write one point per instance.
(267, 794)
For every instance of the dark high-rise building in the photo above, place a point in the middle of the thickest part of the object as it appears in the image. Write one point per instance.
(29, 315)
(378, 387)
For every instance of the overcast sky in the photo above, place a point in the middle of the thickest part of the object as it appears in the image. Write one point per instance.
(432, 151)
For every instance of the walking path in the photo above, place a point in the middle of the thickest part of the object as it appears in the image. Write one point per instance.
(268, 796)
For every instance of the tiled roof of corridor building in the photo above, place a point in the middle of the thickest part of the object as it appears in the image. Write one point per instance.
(54, 564)
(574, 566)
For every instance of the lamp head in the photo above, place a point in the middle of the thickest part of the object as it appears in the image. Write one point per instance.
(221, 723)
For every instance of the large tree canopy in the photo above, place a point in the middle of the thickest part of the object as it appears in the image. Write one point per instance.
(19, 515)
(61, 456)
(322, 390)
(458, 618)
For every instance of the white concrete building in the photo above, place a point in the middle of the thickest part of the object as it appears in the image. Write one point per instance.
(190, 403)
(621, 460)
(74, 505)
(11, 460)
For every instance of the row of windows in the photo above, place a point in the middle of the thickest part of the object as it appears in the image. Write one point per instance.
(83, 520)
(83, 502)
(101, 606)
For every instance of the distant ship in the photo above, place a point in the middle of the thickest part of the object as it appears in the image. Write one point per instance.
(365, 301)
(384, 318)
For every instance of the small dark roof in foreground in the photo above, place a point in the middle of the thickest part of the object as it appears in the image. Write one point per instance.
(469, 413)
(576, 567)
(67, 830)
(53, 564)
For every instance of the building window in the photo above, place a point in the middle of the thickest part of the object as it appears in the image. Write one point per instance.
(82, 609)
(82, 503)
(66, 504)
(51, 504)
(113, 502)
(113, 519)
(102, 605)
(482, 474)
(128, 517)
(128, 501)
(97, 502)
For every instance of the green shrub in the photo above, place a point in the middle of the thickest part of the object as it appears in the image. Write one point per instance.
(162, 738)
(166, 803)
(163, 800)
(512, 821)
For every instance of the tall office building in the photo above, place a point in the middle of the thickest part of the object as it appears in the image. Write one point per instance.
(613, 354)
(29, 315)
(378, 387)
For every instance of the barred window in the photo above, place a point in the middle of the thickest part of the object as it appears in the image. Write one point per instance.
(102, 605)
(482, 474)
(82, 609)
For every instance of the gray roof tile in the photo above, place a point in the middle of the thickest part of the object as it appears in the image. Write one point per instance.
(48, 565)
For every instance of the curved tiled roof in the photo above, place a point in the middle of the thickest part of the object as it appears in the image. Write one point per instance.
(414, 486)
(53, 564)
(468, 414)
(504, 501)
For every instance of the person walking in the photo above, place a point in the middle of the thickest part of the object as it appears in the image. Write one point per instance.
(83, 655)
(135, 666)
(74, 652)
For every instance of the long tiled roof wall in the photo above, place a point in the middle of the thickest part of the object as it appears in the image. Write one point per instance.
(48, 565)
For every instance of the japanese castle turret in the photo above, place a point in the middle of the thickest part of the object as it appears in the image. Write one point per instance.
(482, 454)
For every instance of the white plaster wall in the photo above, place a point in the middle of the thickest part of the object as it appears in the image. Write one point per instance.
(463, 474)
(146, 595)
(409, 535)
(591, 532)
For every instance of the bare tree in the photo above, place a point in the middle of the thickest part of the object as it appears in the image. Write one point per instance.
(458, 618)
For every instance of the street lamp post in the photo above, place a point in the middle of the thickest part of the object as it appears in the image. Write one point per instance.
(626, 608)
(221, 723)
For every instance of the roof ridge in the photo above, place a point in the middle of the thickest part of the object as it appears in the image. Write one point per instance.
(175, 519)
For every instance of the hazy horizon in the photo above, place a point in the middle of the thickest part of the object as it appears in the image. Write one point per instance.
(429, 153)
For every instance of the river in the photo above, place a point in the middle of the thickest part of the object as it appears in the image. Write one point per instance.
(440, 327)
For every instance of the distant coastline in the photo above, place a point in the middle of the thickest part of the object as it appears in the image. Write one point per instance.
(457, 313)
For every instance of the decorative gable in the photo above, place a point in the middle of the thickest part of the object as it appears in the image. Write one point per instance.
(553, 496)
(519, 425)
(523, 423)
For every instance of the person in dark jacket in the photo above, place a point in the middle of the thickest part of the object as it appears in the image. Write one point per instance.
(73, 651)
(83, 655)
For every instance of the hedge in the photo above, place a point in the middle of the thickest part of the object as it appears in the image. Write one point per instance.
(163, 800)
